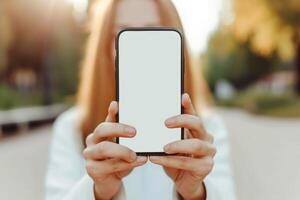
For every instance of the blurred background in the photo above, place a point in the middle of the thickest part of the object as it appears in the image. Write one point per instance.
(248, 51)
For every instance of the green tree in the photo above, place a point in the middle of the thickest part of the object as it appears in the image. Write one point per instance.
(6, 36)
(270, 26)
(44, 38)
(233, 60)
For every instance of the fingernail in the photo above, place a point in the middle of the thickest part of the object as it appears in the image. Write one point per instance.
(86, 151)
(169, 121)
(109, 107)
(167, 148)
(154, 158)
(133, 156)
(141, 159)
(188, 97)
(130, 130)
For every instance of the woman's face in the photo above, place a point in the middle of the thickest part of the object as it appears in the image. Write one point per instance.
(135, 13)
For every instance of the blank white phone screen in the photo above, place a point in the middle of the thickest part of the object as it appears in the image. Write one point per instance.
(149, 87)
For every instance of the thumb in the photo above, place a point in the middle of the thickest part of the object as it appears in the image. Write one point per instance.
(112, 112)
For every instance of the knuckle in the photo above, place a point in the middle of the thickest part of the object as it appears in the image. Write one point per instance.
(85, 153)
(88, 139)
(90, 168)
(88, 152)
(210, 165)
(101, 127)
(103, 146)
(198, 145)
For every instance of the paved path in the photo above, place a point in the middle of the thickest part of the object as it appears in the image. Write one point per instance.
(23, 161)
(266, 159)
(266, 156)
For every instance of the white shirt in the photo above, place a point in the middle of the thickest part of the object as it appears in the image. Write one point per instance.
(67, 178)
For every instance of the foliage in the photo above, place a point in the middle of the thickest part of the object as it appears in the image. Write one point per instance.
(287, 10)
(42, 36)
(269, 25)
(228, 58)
(265, 103)
(5, 36)
(64, 58)
(10, 98)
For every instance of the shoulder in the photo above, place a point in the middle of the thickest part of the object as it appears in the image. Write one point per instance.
(66, 128)
(68, 118)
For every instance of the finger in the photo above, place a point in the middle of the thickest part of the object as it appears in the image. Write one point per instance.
(187, 134)
(112, 112)
(176, 162)
(199, 166)
(188, 105)
(112, 129)
(98, 168)
(105, 150)
(188, 121)
(194, 147)
(89, 140)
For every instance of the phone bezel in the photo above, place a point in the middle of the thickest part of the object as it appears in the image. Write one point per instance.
(117, 75)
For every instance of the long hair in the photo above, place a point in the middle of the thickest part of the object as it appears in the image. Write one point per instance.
(97, 83)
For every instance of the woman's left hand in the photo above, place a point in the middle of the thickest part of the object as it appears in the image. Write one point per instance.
(194, 155)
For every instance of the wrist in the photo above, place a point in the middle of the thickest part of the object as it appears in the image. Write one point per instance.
(200, 194)
(97, 192)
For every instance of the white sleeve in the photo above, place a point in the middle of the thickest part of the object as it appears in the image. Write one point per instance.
(219, 183)
(66, 177)
(84, 190)
(66, 165)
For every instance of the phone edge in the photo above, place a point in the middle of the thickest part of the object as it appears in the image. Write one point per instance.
(117, 75)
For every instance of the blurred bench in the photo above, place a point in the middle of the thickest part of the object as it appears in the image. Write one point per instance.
(22, 117)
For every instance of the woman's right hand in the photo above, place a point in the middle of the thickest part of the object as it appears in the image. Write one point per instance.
(107, 161)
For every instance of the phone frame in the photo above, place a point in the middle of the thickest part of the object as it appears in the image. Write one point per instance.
(117, 75)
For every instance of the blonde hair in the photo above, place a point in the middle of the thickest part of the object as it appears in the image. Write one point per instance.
(97, 84)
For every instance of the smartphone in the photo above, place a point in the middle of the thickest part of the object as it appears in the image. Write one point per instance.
(149, 85)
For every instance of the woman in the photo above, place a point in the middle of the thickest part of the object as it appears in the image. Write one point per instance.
(85, 162)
